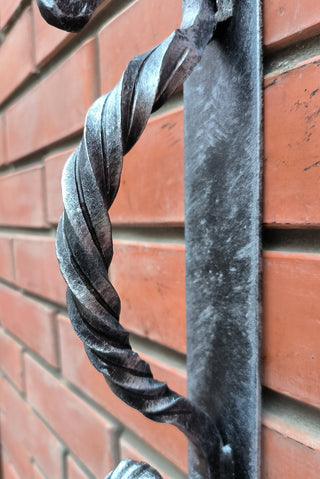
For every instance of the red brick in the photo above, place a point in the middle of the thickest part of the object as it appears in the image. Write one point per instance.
(15, 431)
(30, 321)
(150, 281)
(289, 21)
(45, 448)
(7, 9)
(32, 435)
(291, 442)
(10, 359)
(129, 452)
(48, 40)
(17, 413)
(87, 434)
(16, 452)
(6, 265)
(56, 107)
(292, 144)
(27, 208)
(3, 151)
(119, 41)
(37, 474)
(53, 170)
(8, 469)
(291, 328)
(74, 471)
(16, 56)
(151, 188)
(282, 457)
(79, 371)
(2, 385)
(37, 267)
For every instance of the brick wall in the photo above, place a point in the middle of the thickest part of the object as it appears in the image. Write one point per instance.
(58, 418)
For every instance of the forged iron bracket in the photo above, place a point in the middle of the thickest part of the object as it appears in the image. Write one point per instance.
(223, 144)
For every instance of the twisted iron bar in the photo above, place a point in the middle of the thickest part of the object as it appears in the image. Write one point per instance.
(90, 183)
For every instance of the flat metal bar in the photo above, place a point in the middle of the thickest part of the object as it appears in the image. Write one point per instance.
(223, 144)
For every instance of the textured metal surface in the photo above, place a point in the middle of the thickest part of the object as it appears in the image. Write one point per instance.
(131, 469)
(84, 239)
(222, 198)
(69, 15)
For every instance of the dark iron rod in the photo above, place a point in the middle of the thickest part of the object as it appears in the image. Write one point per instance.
(222, 203)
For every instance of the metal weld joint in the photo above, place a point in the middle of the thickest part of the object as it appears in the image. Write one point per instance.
(90, 183)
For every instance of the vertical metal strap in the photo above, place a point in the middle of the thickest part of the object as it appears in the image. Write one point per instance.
(222, 196)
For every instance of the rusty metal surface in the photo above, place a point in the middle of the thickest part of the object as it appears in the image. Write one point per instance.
(222, 201)
(90, 183)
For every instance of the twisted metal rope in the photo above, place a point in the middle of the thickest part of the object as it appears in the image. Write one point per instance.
(90, 183)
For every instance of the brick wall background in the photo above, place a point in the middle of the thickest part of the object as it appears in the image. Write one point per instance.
(58, 418)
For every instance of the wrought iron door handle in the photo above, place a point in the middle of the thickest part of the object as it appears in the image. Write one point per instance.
(90, 183)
